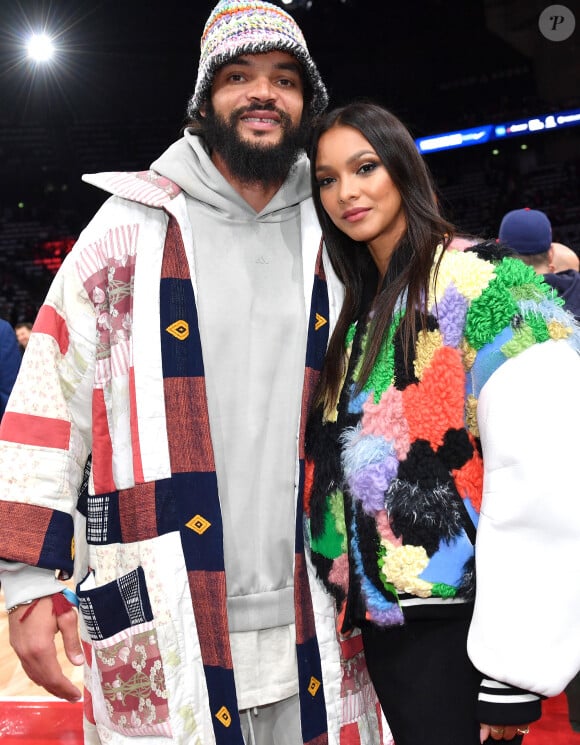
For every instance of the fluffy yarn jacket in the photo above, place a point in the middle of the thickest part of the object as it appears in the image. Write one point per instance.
(402, 474)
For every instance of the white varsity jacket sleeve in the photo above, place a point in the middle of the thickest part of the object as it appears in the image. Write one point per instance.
(526, 625)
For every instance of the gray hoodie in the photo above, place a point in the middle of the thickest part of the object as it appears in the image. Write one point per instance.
(253, 331)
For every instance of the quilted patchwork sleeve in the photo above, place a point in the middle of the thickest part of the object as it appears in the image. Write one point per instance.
(45, 433)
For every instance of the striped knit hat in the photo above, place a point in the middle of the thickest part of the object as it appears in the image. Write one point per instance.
(237, 27)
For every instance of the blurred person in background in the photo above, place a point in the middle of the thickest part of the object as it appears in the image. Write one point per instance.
(9, 362)
(564, 258)
(23, 331)
(529, 233)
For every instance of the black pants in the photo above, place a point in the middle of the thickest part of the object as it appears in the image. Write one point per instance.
(425, 682)
(573, 696)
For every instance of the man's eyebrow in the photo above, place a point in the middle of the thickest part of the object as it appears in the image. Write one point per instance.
(237, 61)
(242, 60)
(291, 66)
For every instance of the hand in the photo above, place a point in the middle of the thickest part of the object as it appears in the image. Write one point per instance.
(33, 642)
(501, 731)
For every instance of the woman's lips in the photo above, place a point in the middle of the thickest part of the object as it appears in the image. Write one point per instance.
(355, 214)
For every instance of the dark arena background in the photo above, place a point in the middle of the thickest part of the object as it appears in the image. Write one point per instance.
(490, 89)
(114, 94)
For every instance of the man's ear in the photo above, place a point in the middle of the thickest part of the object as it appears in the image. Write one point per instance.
(550, 257)
(203, 110)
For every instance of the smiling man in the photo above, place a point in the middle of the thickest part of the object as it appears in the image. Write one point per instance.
(255, 123)
(179, 345)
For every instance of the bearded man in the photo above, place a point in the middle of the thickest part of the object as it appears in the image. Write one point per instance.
(179, 345)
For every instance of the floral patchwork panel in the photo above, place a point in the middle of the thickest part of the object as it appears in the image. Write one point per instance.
(359, 701)
(132, 681)
(128, 683)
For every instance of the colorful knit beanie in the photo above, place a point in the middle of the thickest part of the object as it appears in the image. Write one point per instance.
(237, 27)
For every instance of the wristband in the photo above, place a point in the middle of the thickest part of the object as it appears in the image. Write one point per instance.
(71, 597)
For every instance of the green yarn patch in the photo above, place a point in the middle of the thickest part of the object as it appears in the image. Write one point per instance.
(441, 590)
(383, 372)
(523, 338)
(332, 541)
(539, 327)
(350, 335)
(357, 367)
(390, 588)
(489, 313)
(514, 273)
(494, 309)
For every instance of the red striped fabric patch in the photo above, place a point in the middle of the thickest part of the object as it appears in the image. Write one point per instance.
(48, 321)
(24, 530)
(102, 446)
(29, 429)
(137, 513)
(135, 444)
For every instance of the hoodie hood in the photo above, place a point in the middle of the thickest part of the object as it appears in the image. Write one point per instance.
(187, 162)
(568, 285)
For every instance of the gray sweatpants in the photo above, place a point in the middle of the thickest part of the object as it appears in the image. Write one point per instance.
(273, 724)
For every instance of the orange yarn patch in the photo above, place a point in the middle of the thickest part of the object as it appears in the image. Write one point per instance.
(436, 403)
(469, 480)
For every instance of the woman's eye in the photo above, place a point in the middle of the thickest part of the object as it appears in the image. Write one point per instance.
(322, 182)
(367, 167)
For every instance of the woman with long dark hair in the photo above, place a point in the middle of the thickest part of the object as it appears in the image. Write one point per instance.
(424, 435)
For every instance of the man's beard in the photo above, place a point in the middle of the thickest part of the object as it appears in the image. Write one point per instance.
(252, 162)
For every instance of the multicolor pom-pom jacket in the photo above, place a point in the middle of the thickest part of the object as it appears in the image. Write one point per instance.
(395, 473)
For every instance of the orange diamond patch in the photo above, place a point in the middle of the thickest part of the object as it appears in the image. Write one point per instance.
(313, 686)
(224, 716)
(198, 524)
(179, 329)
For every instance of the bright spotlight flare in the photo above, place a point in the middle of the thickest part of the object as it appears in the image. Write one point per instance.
(40, 48)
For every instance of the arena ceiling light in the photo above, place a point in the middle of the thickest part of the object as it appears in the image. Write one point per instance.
(40, 48)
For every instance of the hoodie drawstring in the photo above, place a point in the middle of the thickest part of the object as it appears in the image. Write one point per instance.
(249, 713)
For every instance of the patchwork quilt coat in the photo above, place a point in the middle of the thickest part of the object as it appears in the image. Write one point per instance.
(114, 369)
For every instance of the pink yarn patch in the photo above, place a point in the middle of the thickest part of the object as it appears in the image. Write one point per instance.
(387, 418)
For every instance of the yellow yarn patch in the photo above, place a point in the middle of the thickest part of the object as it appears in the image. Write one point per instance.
(557, 330)
(401, 567)
(469, 355)
(330, 411)
(471, 415)
(466, 271)
(428, 342)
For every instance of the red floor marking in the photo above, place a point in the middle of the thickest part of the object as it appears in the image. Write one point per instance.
(50, 722)
(36, 722)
